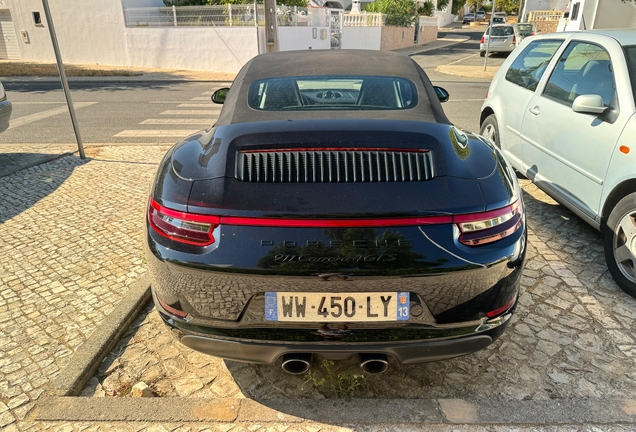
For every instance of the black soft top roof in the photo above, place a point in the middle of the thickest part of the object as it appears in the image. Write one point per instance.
(331, 62)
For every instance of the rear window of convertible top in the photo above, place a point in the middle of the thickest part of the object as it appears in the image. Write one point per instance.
(332, 93)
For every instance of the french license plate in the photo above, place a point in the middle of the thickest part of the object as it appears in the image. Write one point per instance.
(498, 39)
(337, 307)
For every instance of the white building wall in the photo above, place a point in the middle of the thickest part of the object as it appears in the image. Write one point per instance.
(613, 14)
(585, 17)
(89, 31)
(93, 32)
(361, 38)
(302, 38)
(219, 49)
(558, 5)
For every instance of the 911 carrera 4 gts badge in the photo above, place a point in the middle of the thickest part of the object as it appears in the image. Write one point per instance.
(339, 258)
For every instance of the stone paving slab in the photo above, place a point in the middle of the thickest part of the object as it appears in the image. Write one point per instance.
(352, 411)
(571, 337)
(66, 266)
(70, 247)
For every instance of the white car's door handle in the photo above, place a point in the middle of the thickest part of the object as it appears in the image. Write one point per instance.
(535, 110)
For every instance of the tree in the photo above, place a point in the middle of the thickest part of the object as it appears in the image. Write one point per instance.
(475, 5)
(441, 4)
(457, 6)
(427, 9)
(399, 13)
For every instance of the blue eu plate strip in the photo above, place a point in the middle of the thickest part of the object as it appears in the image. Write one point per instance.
(271, 306)
(403, 306)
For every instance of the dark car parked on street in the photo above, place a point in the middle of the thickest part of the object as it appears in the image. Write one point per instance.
(334, 210)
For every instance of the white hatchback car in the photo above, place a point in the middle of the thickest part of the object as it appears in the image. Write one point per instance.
(503, 39)
(562, 109)
(5, 110)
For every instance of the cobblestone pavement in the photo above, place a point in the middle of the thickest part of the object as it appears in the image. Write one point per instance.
(70, 236)
(70, 245)
(570, 338)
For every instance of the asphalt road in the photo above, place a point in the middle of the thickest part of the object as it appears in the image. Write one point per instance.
(162, 113)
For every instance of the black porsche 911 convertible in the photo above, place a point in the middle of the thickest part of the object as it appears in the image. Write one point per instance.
(334, 210)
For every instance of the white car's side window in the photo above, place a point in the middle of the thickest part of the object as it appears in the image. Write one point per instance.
(583, 69)
(528, 68)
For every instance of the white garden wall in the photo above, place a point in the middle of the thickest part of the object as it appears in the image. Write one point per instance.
(361, 38)
(302, 38)
(93, 32)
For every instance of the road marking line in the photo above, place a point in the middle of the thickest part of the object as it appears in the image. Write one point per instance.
(155, 133)
(202, 98)
(192, 112)
(202, 122)
(167, 102)
(35, 103)
(196, 105)
(21, 121)
(465, 100)
(462, 59)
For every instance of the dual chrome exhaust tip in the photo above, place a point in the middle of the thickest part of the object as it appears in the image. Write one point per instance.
(298, 364)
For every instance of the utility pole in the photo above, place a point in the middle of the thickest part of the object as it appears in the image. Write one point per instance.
(271, 37)
(60, 68)
(489, 31)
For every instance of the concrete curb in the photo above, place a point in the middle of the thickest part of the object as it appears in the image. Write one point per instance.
(341, 411)
(86, 360)
(125, 80)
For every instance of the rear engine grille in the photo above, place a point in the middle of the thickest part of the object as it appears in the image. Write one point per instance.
(334, 166)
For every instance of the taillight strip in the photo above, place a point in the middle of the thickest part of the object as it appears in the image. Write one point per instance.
(184, 234)
(329, 223)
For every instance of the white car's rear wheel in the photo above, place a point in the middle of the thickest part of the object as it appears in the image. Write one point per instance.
(490, 130)
(620, 244)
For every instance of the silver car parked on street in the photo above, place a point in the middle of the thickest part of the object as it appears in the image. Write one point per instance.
(5, 110)
(562, 109)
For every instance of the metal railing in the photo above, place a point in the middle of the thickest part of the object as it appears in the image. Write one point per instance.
(189, 16)
(545, 15)
(363, 19)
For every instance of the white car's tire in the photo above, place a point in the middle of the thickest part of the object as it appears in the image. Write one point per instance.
(620, 244)
(482, 53)
(490, 130)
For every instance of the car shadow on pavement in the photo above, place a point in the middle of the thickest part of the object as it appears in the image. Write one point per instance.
(26, 178)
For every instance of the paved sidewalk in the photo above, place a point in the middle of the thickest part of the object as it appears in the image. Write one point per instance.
(71, 248)
(147, 75)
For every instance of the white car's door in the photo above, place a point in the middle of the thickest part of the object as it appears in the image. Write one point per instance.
(512, 93)
(568, 152)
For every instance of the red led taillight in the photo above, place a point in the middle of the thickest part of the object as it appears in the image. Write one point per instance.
(196, 229)
(499, 311)
(482, 39)
(482, 228)
(182, 227)
(176, 312)
(514, 39)
(532, 34)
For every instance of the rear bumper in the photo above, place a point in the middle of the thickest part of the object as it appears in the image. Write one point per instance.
(405, 353)
(5, 115)
(452, 341)
(497, 48)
